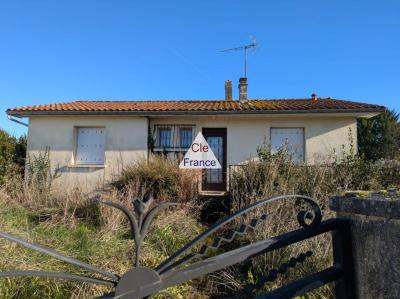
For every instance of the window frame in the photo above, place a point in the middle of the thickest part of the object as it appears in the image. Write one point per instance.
(304, 140)
(75, 161)
(175, 137)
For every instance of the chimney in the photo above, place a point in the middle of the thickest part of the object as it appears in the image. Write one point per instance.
(243, 90)
(314, 97)
(228, 90)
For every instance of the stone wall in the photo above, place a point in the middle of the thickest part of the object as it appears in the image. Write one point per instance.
(375, 232)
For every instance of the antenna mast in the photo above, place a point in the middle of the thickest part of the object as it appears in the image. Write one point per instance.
(250, 47)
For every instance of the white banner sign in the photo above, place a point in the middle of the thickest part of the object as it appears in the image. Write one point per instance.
(200, 155)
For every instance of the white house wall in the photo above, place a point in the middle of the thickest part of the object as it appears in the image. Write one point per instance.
(323, 134)
(126, 141)
(127, 137)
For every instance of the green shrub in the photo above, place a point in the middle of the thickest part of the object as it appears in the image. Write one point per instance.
(276, 175)
(39, 173)
(6, 152)
(379, 136)
(12, 151)
(387, 173)
(161, 176)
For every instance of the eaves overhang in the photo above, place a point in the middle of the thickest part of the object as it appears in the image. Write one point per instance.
(22, 114)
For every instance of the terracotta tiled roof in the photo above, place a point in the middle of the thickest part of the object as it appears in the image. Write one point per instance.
(200, 106)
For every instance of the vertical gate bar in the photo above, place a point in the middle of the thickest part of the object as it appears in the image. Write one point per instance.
(343, 258)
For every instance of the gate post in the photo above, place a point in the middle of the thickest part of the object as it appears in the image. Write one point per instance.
(374, 235)
(343, 258)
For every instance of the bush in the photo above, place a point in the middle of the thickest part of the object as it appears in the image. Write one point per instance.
(277, 174)
(273, 174)
(32, 188)
(379, 136)
(387, 173)
(162, 177)
(6, 152)
(39, 174)
(12, 151)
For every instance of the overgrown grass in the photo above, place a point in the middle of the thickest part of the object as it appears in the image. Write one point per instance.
(110, 250)
(77, 240)
(277, 174)
(71, 223)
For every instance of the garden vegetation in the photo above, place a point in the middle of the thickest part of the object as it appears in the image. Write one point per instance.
(71, 223)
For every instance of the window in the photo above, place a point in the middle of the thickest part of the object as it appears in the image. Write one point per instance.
(173, 138)
(293, 138)
(185, 134)
(90, 146)
(165, 137)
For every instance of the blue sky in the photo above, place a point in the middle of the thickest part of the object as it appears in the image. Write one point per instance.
(55, 51)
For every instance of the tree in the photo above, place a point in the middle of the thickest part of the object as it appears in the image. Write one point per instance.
(379, 136)
(7, 144)
(12, 150)
(20, 151)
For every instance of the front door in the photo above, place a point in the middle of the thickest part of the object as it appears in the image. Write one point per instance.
(215, 179)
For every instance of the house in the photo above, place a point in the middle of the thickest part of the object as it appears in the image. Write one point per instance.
(90, 141)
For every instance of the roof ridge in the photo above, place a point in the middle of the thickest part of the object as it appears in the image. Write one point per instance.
(201, 100)
(207, 106)
(141, 101)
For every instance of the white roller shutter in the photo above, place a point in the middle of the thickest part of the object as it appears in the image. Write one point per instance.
(90, 146)
(294, 137)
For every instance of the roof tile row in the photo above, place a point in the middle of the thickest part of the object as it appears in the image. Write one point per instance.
(200, 105)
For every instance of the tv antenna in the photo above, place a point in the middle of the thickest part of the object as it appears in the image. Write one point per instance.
(245, 48)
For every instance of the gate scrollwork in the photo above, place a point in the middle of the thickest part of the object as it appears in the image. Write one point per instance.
(185, 264)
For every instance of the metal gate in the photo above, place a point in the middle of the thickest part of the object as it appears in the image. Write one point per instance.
(187, 264)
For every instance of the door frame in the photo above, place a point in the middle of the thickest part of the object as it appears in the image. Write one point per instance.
(218, 132)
